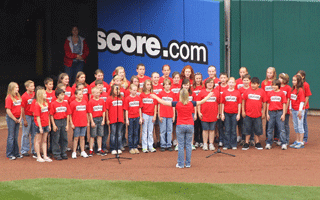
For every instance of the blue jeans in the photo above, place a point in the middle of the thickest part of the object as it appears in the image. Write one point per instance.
(115, 127)
(73, 70)
(305, 126)
(105, 137)
(12, 140)
(184, 136)
(287, 128)
(133, 132)
(298, 123)
(60, 138)
(166, 132)
(275, 120)
(252, 125)
(147, 131)
(231, 132)
(30, 129)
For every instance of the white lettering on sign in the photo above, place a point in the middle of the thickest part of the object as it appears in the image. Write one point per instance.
(175, 90)
(30, 101)
(275, 99)
(61, 109)
(117, 103)
(231, 98)
(17, 103)
(212, 99)
(268, 88)
(147, 100)
(97, 108)
(44, 109)
(293, 97)
(134, 104)
(81, 108)
(254, 97)
(167, 99)
(138, 44)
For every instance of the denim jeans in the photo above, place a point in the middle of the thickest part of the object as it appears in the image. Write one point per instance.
(115, 127)
(184, 136)
(60, 138)
(166, 132)
(305, 126)
(105, 137)
(287, 128)
(275, 120)
(297, 123)
(73, 70)
(133, 132)
(221, 128)
(147, 132)
(30, 129)
(252, 126)
(231, 130)
(12, 140)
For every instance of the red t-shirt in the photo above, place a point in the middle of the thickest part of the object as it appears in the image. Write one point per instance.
(86, 90)
(209, 109)
(15, 107)
(166, 111)
(127, 93)
(26, 102)
(161, 79)
(287, 92)
(307, 92)
(239, 83)
(215, 80)
(231, 100)
(43, 113)
(221, 89)
(184, 112)
(276, 100)
(79, 113)
(68, 91)
(148, 104)
(253, 102)
(175, 88)
(66, 99)
(114, 106)
(198, 89)
(60, 110)
(157, 88)
(296, 98)
(73, 97)
(132, 105)
(142, 80)
(242, 90)
(191, 82)
(50, 97)
(192, 97)
(106, 86)
(267, 87)
(96, 107)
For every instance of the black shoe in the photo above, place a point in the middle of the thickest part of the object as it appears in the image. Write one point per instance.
(170, 149)
(26, 154)
(158, 144)
(35, 156)
(64, 157)
(162, 149)
(245, 146)
(19, 156)
(258, 146)
(57, 157)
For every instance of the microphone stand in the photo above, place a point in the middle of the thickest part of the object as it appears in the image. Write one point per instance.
(117, 156)
(219, 150)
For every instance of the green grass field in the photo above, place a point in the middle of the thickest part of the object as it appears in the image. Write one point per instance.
(99, 189)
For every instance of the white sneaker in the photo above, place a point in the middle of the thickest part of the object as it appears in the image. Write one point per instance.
(175, 142)
(284, 147)
(201, 145)
(84, 154)
(177, 166)
(152, 150)
(196, 144)
(239, 139)
(220, 144)
(234, 148)
(268, 146)
(211, 147)
(193, 147)
(74, 155)
(176, 148)
(205, 147)
(145, 150)
(114, 152)
(225, 148)
(278, 143)
(119, 152)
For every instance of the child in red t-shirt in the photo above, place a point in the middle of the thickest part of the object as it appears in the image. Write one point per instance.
(60, 113)
(135, 81)
(239, 82)
(27, 119)
(80, 86)
(208, 113)
(79, 122)
(98, 74)
(286, 89)
(96, 111)
(166, 70)
(13, 118)
(175, 88)
(307, 94)
(41, 118)
(230, 113)
(297, 99)
(166, 116)
(197, 87)
(123, 82)
(81, 78)
(65, 98)
(187, 73)
(276, 112)
(114, 117)
(212, 74)
(156, 88)
(48, 83)
(64, 79)
(132, 106)
(253, 111)
(141, 70)
(149, 115)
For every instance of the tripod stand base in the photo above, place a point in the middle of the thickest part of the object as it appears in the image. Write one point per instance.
(219, 151)
(117, 157)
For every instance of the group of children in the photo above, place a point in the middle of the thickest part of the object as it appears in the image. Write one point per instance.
(126, 108)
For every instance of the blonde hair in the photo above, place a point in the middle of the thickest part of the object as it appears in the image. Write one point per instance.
(274, 75)
(39, 98)
(165, 81)
(184, 96)
(232, 78)
(124, 80)
(27, 83)
(10, 91)
(95, 89)
(132, 86)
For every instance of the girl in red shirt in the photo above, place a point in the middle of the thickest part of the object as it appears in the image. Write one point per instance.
(98, 74)
(197, 87)
(141, 70)
(187, 73)
(307, 94)
(149, 115)
(297, 109)
(284, 80)
(230, 113)
(79, 122)
(239, 83)
(13, 118)
(212, 74)
(124, 83)
(64, 79)
(81, 78)
(135, 81)
(166, 74)
(41, 118)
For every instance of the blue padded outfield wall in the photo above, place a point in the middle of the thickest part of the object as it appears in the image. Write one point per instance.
(174, 32)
